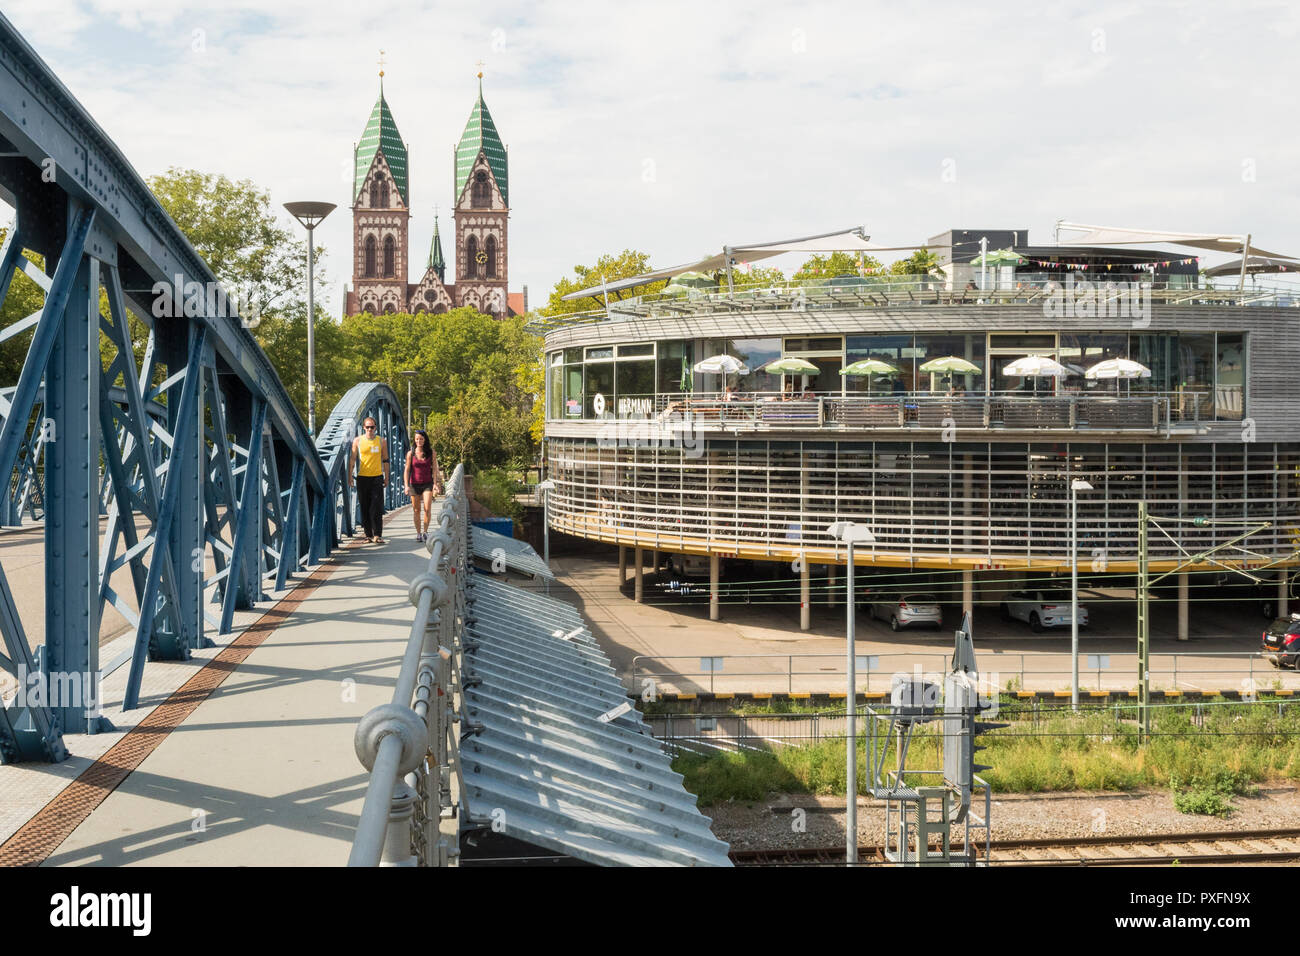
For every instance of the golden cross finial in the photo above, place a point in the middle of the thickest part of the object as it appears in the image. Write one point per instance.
(381, 64)
(480, 64)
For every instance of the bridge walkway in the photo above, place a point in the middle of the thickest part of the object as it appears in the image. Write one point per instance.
(258, 769)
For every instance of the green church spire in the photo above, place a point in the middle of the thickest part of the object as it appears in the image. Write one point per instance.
(436, 262)
(381, 133)
(481, 134)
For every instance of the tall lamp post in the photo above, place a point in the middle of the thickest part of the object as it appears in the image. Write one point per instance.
(851, 534)
(545, 487)
(409, 375)
(1076, 486)
(310, 215)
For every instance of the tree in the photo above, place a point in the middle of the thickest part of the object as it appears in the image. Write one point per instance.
(236, 230)
(922, 262)
(608, 268)
(24, 298)
(837, 264)
(756, 278)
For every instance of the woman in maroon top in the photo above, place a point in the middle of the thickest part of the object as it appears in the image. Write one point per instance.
(423, 481)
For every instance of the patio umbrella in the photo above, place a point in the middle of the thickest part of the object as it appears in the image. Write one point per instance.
(721, 365)
(1118, 368)
(869, 367)
(792, 366)
(998, 257)
(1036, 367)
(695, 280)
(951, 363)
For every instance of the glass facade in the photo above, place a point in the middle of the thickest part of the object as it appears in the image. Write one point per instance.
(1204, 372)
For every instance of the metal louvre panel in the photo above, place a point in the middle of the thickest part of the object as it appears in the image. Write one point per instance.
(518, 555)
(603, 792)
(973, 503)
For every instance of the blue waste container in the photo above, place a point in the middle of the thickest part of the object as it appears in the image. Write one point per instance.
(502, 526)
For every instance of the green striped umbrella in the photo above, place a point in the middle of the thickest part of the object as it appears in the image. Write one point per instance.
(869, 367)
(951, 363)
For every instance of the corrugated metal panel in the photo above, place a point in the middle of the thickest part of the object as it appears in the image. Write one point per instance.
(518, 555)
(545, 767)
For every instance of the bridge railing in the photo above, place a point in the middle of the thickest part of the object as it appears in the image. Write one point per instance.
(409, 745)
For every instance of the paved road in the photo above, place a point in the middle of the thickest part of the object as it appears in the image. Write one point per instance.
(764, 650)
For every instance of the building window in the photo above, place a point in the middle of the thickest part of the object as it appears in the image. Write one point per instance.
(390, 257)
(379, 195)
(481, 197)
(370, 270)
(471, 258)
(491, 264)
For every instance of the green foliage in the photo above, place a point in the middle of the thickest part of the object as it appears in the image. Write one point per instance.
(837, 264)
(24, 298)
(1205, 763)
(237, 231)
(495, 490)
(1210, 793)
(625, 265)
(922, 262)
(757, 278)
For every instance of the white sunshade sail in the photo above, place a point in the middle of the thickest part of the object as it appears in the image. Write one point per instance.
(1256, 265)
(1036, 366)
(1123, 235)
(850, 240)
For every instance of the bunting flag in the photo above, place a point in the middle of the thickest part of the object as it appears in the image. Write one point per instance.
(1083, 266)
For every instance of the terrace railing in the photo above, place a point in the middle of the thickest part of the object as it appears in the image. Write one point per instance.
(1106, 296)
(1148, 412)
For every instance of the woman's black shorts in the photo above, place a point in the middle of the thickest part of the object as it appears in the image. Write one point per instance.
(421, 489)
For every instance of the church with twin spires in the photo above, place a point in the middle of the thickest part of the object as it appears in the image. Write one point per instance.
(381, 220)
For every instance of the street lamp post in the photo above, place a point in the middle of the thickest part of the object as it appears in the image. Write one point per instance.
(1076, 486)
(851, 534)
(409, 374)
(545, 487)
(310, 214)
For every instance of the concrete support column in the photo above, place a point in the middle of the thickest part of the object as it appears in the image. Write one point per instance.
(622, 565)
(656, 561)
(805, 597)
(968, 593)
(1182, 606)
(714, 573)
(1283, 575)
(832, 594)
(638, 586)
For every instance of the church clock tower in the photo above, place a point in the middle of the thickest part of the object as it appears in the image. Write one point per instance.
(482, 208)
(381, 213)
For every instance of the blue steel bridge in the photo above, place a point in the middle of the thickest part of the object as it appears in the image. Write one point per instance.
(176, 488)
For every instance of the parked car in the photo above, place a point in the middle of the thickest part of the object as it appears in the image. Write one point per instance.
(908, 610)
(1040, 609)
(1281, 642)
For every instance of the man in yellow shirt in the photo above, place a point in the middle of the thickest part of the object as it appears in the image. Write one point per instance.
(371, 478)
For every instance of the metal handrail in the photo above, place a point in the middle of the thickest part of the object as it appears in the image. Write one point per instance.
(393, 740)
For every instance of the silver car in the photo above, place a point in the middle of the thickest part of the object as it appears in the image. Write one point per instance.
(908, 610)
(1040, 609)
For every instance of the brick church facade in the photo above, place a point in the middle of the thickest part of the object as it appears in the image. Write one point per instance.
(381, 224)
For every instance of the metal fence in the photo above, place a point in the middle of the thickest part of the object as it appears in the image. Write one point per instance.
(1245, 671)
(408, 745)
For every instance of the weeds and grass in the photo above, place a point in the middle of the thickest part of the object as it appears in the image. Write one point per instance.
(1204, 763)
(1210, 794)
(495, 490)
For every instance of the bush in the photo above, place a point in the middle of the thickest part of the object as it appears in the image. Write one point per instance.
(495, 490)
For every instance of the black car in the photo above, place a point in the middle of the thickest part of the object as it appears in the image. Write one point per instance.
(1281, 642)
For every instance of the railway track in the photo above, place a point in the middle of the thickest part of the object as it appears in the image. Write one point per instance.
(1206, 847)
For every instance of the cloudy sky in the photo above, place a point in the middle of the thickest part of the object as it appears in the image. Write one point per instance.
(675, 128)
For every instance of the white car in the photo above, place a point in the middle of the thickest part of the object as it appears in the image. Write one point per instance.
(909, 610)
(1040, 609)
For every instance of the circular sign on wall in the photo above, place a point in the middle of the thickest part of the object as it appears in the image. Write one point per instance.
(598, 403)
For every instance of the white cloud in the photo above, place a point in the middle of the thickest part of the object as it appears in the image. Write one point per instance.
(760, 120)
